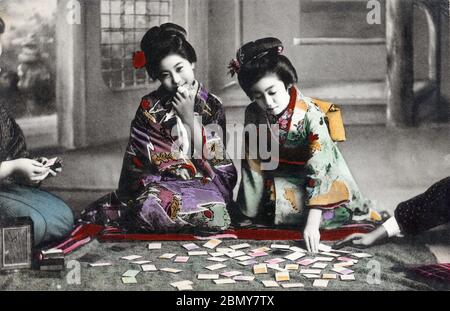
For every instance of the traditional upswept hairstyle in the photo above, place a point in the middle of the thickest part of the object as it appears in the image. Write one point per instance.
(258, 58)
(164, 40)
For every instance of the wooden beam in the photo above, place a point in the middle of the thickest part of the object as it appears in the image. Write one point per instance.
(400, 70)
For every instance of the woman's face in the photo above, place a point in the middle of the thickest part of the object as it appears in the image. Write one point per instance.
(270, 94)
(176, 71)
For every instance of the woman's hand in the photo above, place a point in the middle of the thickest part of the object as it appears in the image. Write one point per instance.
(183, 102)
(33, 171)
(364, 239)
(311, 233)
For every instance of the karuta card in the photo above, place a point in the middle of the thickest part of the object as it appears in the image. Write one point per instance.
(329, 276)
(292, 285)
(298, 249)
(167, 256)
(216, 267)
(131, 257)
(171, 270)
(230, 274)
(213, 243)
(197, 253)
(181, 259)
(343, 264)
(224, 250)
(224, 281)
(275, 267)
(140, 262)
(244, 278)
(205, 276)
(319, 265)
(191, 246)
(320, 283)
(181, 283)
(330, 254)
(362, 255)
(274, 260)
(310, 271)
(305, 262)
(216, 254)
(243, 258)
(270, 283)
(342, 270)
(129, 280)
(323, 258)
(154, 246)
(240, 246)
(147, 268)
(312, 276)
(348, 259)
(100, 264)
(260, 249)
(234, 254)
(324, 248)
(282, 276)
(131, 273)
(291, 266)
(295, 256)
(258, 254)
(248, 262)
(185, 287)
(217, 259)
(260, 268)
(280, 246)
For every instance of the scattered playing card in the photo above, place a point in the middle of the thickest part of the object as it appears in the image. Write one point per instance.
(260, 268)
(343, 264)
(216, 254)
(191, 246)
(217, 259)
(275, 267)
(147, 268)
(197, 253)
(154, 246)
(167, 256)
(224, 250)
(204, 276)
(234, 254)
(171, 270)
(292, 285)
(320, 283)
(131, 273)
(181, 283)
(212, 243)
(140, 262)
(274, 260)
(216, 266)
(270, 283)
(323, 259)
(244, 278)
(342, 270)
(181, 259)
(298, 249)
(185, 287)
(225, 281)
(248, 262)
(348, 277)
(291, 266)
(282, 276)
(348, 259)
(261, 249)
(242, 258)
(230, 274)
(258, 254)
(330, 254)
(280, 246)
(129, 280)
(131, 257)
(329, 276)
(319, 265)
(100, 264)
(295, 256)
(310, 271)
(362, 255)
(305, 262)
(240, 246)
(312, 276)
(324, 248)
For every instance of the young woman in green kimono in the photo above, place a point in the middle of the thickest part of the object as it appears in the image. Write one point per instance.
(312, 186)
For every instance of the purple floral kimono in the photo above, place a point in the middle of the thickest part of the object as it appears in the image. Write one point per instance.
(151, 195)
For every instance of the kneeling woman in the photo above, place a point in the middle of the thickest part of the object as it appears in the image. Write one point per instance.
(312, 183)
(163, 188)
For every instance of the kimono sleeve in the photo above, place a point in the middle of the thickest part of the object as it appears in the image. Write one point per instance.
(325, 188)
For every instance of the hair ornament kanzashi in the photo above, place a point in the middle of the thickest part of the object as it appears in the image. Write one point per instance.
(234, 67)
(139, 60)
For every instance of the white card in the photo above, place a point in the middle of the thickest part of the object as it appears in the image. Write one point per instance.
(242, 258)
(319, 265)
(181, 283)
(171, 270)
(230, 274)
(240, 246)
(280, 246)
(100, 264)
(298, 249)
(224, 281)
(204, 276)
(362, 255)
(324, 248)
(131, 273)
(244, 278)
(310, 271)
(295, 256)
(191, 246)
(258, 254)
(312, 276)
(305, 262)
(323, 259)
(129, 280)
(140, 262)
(217, 259)
(274, 261)
(185, 287)
(270, 283)
(154, 246)
(275, 267)
(131, 257)
(215, 267)
(248, 262)
(216, 254)
(260, 249)
(348, 277)
(224, 250)
(181, 259)
(167, 256)
(342, 270)
(330, 254)
(147, 268)
(260, 268)
(320, 283)
(197, 253)
(212, 243)
(292, 285)
(235, 254)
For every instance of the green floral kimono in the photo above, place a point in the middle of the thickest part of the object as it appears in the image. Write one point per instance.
(311, 172)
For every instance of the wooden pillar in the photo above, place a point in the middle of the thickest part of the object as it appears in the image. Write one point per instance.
(400, 71)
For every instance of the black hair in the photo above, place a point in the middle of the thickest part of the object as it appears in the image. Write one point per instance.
(261, 57)
(161, 41)
(2, 26)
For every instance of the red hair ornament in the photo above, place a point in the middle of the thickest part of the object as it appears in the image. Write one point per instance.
(139, 60)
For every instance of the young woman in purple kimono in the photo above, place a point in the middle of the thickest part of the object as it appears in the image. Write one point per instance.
(171, 180)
